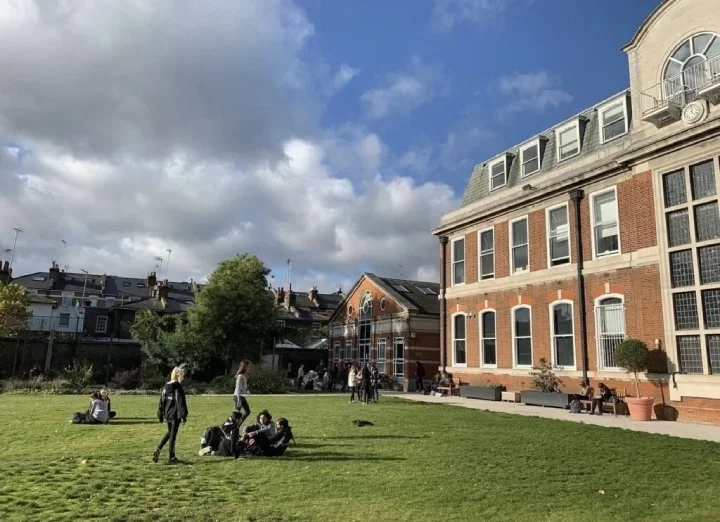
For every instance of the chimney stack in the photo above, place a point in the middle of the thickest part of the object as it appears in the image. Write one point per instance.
(103, 283)
(313, 295)
(289, 297)
(5, 272)
(279, 295)
(53, 275)
(151, 280)
(163, 289)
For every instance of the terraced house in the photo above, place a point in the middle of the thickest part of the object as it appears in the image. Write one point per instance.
(603, 227)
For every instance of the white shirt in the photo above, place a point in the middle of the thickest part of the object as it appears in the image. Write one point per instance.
(99, 411)
(351, 378)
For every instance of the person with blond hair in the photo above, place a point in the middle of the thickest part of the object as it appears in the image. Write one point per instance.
(172, 410)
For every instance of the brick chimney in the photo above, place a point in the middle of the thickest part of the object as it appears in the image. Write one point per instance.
(151, 280)
(5, 272)
(163, 289)
(103, 283)
(313, 295)
(289, 297)
(53, 275)
(280, 295)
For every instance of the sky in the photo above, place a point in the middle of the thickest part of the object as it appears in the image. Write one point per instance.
(332, 133)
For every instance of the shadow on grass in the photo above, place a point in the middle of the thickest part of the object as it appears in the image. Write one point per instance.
(138, 421)
(364, 436)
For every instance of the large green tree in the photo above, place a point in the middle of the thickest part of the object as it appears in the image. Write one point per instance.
(168, 340)
(234, 312)
(14, 313)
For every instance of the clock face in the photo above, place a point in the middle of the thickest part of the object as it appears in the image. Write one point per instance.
(693, 112)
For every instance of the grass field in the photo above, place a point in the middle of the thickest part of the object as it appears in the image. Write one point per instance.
(419, 462)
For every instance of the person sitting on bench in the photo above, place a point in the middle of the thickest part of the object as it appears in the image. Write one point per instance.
(602, 394)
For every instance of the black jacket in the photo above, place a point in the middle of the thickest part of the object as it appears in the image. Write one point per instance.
(172, 406)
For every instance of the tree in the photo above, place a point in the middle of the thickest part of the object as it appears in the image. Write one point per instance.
(632, 354)
(234, 312)
(14, 313)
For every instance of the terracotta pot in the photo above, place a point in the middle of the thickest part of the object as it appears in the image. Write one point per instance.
(641, 408)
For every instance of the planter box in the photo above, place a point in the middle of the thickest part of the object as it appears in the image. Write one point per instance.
(510, 396)
(550, 399)
(481, 392)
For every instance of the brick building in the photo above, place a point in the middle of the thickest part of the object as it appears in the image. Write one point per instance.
(303, 317)
(603, 227)
(393, 322)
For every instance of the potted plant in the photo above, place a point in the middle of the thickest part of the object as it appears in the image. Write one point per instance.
(632, 355)
(546, 391)
(489, 392)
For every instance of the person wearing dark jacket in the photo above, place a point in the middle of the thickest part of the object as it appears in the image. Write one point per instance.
(172, 410)
(366, 383)
(273, 445)
(375, 382)
(419, 376)
(602, 394)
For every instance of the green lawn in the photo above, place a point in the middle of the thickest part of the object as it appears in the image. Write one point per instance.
(419, 462)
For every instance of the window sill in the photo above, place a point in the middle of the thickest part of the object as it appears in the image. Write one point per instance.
(606, 254)
(561, 160)
(489, 366)
(603, 142)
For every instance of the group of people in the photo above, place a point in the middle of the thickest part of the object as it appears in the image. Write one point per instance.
(99, 411)
(363, 380)
(596, 397)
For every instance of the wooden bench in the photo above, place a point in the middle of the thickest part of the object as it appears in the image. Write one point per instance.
(451, 388)
(618, 397)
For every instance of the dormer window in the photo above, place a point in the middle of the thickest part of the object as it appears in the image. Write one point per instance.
(530, 157)
(498, 172)
(613, 119)
(568, 140)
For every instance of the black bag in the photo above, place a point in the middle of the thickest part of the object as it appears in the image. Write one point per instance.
(212, 437)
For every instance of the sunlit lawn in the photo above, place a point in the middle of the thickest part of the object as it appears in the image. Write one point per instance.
(419, 462)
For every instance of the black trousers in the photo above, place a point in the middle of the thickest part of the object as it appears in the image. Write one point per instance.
(170, 436)
(352, 393)
(241, 404)
(368, 392)
(419, 385)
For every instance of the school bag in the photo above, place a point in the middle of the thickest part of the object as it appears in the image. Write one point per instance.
(212, 437)
(575, 406)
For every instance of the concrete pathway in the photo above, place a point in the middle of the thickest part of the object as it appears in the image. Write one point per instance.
(684, 430)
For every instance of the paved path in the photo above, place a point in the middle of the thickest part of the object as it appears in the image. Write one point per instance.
(684, 430)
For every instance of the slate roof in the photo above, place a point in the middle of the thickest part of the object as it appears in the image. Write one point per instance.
(156, 305)
(307, 309)
(38, 299)
(479, 185)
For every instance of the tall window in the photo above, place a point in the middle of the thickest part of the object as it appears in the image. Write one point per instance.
(64, 319)
(613, 120)
(568, 141)
(487, 254)
(609, 329)
(336, 351)
(530, 158)
(399, 356)
(459, 357)
(691, 66)
(606, 231)
(563, 341)
(558, 236)
(67, 298)
(364, 327)
(498, 174)
(522, 337)
(487, 339)
(101, 324)
(382, 353)
(458, 261)
(520, 247)
(692, 219)
(349, 350)
(315, 332)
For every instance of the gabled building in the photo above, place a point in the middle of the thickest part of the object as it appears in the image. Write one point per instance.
(303, 316)
(602, 227)
(393, 322)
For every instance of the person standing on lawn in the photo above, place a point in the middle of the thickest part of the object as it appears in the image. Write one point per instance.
(300, 375)
(375, 382)
(419, 376)
(172, 410)
(366, 383)
(352, 374)
(241, 390)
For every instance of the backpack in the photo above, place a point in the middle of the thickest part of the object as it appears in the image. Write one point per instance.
(575, 406)
(212, 437)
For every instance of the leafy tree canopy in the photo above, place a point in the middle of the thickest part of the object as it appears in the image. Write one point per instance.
(14, 312)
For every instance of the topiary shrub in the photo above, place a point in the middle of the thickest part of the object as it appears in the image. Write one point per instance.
(632, 355)
(543, 378)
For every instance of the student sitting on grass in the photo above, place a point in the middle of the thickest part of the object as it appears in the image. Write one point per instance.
(272, 445)
(97, 412)
(222, 440)
(104, 395)
(264, 425)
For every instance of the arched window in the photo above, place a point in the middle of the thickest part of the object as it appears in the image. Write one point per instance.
(691, 65)
(561, 330)
(522, 336)
(459, 339)
(488, 346)
(365, 327)
(609, 329)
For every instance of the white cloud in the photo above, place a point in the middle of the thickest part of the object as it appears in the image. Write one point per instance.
(344, 75)
(404, 91)
(537, 91)
(448, 14)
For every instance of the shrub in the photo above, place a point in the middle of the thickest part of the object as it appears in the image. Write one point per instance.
(632, 354)
(222, 384)
(153, 383)
(262, 379)
(80, 375)
(126, 380)
(543, 378)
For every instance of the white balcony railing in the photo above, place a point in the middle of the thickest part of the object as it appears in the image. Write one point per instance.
(684, 88)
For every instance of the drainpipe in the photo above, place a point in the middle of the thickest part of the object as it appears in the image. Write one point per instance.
(443, 283)
(576, 196)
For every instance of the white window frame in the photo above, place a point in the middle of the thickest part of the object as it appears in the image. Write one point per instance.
(336, 351)
(492, 164)
(548, 234)
(601, 118)
(381, 341)
(348, 349)
(67, 298)
(315, 331)
(109, 302)
(553, 335)
(593, 224)
(481, 315)
(396, 360)
(598, 333)
(454, 340)
(514, 338)
(523, 148)
(488, 252)
(60, 321)
(512, 246)
(97, 324)
(576, 125)
(452, 261)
